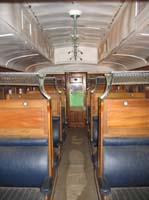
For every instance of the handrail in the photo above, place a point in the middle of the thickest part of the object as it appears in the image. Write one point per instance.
(108, 85)
(94, 78)
(56, 87)
(41, 87)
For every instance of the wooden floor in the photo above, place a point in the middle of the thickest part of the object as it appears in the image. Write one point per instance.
(75, 174)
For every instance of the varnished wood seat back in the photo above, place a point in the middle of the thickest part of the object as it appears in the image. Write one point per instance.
(26, 144)
(113, 95)
(124, 142)
(56, 107)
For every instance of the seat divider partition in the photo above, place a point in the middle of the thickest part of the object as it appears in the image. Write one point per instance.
(121, 119)
(27, 119)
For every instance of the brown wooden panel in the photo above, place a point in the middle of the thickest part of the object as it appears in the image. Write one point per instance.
(130, 95)
(76, 115)
(94, 99)
(76, 119)
(88, 98)
(56, 105)
(117, 95)
(27, 119)
(55, 101)
(129, 117)
(95, 103)
(63, 99)
(122, 118)
(17, 118)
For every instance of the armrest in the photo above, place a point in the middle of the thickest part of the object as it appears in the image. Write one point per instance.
(104, 187)
(46, 187)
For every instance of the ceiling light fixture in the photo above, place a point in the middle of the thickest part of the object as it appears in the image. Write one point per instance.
(75, 14)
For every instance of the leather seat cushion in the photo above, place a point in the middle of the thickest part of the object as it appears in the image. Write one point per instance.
(126, 166)
(95, 130)
(22, 166)
(63, 116)
(56, 130)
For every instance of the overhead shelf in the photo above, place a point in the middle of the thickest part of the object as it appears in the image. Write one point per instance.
(19, 78)
(125, 78)
(128, 78)
(36, 79)
(25, 79)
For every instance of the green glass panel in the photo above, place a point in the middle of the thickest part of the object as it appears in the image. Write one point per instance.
(76, 98)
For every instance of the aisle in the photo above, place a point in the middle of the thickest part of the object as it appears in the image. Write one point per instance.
(75, 173)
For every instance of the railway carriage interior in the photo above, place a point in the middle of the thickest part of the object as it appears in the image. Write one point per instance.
(74, 100)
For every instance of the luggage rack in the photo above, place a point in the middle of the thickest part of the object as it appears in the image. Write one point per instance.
(28, 79)
(125, 78)
(36, 79)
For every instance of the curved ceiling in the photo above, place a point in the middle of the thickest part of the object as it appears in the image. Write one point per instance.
(93, 24)
(39, 36)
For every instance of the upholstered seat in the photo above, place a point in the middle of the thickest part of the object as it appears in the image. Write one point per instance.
(95, 130)
(125, 169)
(63, 118)
(56, 130)
(24, 169)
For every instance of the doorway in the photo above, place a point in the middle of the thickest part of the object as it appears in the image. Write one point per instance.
(76, 99)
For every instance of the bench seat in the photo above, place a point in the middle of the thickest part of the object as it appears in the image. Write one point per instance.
(123, 152)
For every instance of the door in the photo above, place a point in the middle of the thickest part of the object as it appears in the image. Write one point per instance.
(76, 101)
